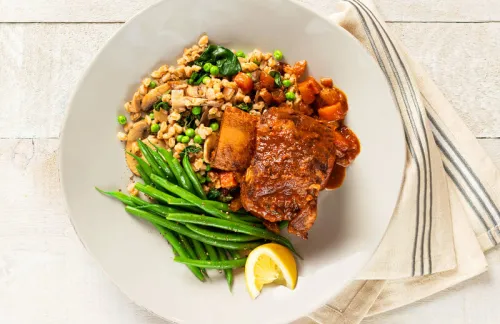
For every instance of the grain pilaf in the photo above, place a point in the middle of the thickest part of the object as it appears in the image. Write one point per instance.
(180, 107)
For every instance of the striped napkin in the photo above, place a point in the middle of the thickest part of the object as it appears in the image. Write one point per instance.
(448, 211)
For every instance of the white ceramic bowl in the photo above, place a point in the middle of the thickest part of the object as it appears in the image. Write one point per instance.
(351, 221)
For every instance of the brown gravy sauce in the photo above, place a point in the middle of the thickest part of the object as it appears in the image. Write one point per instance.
(336, 177)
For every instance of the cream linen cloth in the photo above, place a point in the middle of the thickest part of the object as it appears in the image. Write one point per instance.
(447, 215)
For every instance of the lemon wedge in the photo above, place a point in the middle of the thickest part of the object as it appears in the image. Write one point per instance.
(270, 263)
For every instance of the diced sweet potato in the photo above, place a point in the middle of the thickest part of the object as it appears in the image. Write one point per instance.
(236, 140)
(228, 180)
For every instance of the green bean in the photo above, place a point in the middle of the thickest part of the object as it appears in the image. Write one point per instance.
(212, 252)
(283, 224)
(192, 198)
(162, 164)
(145, 167)
(177, 247)
(199, 248)
(161, 196)
(190, 246)
(250, 219)
(233, 237)
(141, 204)
(181, 229)
(118, 195)
(149, 157)
(198, 189)
(186, 242)
(143, 175)
(227, 264)
(201, 253)
(227, 272)
(159, 210)
(176, 168)
(231, 226)
(234, 254)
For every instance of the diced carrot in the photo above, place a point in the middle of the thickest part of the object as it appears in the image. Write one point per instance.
(308, 90)
(266, 81)
(244, 82)
(228, 180)
(332, 113)
(299, 68)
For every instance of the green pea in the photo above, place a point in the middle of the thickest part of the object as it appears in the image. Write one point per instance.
(155, 128)
(206, 79)
(214, 70)
(122, 120)
(287, 83)
(207, 67)
(190, 132)
(290, 96)
(153, 84)
(179, 138)
(196, 110)
(249, 74)
(214, 126)
(256, 62)
(208, 167)
(185, 139)
(278, 55)
(197, 139)
(240, 54)
(152, 116)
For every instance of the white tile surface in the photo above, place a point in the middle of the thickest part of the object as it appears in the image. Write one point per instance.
(45, 274)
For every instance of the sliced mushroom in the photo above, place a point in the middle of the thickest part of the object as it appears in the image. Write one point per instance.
(153, 96)
(138, 131)
(209, 147)
(204, 117)
(161, 116)
(135, 105)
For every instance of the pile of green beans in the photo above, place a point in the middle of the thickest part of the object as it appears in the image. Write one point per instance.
(204, 234)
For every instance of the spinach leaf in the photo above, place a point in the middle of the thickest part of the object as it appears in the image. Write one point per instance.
(161, 105)
(213, 194)
(277, 78)
(244, 106)
(223, 58)
(197, 77)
